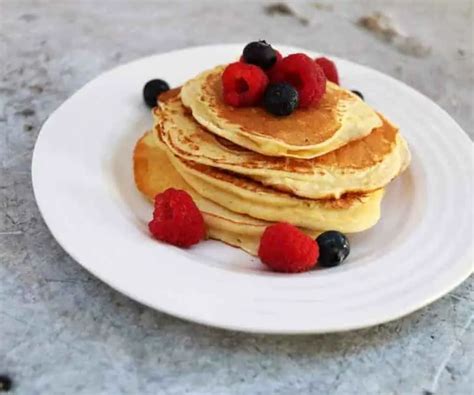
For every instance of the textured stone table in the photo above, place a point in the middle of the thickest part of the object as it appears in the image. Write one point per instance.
(64, 332)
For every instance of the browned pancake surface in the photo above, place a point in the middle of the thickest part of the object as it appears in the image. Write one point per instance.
(357, 154)
(303, 127)
(248, 184)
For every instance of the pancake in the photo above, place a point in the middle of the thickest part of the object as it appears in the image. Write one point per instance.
(350, 213)
(362, 165)
(154, 173)
(338, 118)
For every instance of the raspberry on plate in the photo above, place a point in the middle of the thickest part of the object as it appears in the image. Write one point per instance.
(329, 68)
(243, 84)
(305, 75)
(176, 219)
(285, 248)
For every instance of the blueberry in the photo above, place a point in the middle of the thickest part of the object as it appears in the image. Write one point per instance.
(152, 90)
(280, 99)
(333, 248)
(5, 383)
(358, 94)
(260, 54)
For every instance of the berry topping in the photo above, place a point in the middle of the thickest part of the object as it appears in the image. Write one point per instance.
(260, 53)
(285, 248)
(280, 99)
(305, 75)
(176, 219)
(358, 94)
(244, 84)
(329, 68)
(152, 90)
(333, 248)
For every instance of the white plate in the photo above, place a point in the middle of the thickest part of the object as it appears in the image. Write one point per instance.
(420, 250)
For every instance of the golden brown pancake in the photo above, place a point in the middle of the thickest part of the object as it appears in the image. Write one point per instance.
(350, 213)
(337, 119)
(295, 129)
(363, 165)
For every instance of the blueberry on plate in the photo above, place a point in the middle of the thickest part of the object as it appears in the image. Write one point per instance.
(152, 90)
(358, 94)
(280, 99)
(260, 53)
(333, 248)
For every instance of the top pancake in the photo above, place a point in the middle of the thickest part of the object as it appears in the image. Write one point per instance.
(323, 127)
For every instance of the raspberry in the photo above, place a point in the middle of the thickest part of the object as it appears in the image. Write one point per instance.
(285, 248)
(271, 71)
(329, 68)
(244, 84)
(305, 75)
(176, 219)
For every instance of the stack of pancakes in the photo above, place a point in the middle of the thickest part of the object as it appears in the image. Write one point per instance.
(321, 168)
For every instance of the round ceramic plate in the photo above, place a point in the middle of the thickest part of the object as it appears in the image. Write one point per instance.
(420, 249)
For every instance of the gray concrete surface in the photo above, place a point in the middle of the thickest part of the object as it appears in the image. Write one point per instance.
(64, 332)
